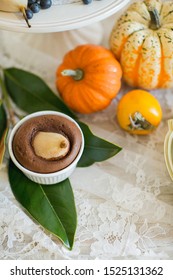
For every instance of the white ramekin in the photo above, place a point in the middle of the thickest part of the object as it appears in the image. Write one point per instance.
(50, 178)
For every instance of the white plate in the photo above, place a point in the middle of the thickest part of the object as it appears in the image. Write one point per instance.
(62, 17)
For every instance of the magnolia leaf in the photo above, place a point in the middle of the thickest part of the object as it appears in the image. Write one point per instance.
(3, 119)
(30, 93)
(3, 131)
(51, 206)
(3, 145)
(96, 149)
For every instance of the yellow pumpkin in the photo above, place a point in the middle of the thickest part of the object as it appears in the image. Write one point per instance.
(142, 40)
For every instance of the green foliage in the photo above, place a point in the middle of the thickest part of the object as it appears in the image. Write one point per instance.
(3, 131)
(51, 206)
(31, 94)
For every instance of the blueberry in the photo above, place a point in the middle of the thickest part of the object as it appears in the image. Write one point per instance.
(45, 4)
(87, 1)
(29, 13)
(35, 8)
(30, 2)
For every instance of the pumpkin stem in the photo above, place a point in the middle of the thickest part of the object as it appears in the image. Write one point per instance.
(77, 74)
(155, 19)
(153, 7)
(138, 122)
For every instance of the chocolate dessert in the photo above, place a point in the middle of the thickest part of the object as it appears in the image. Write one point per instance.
(47, 143)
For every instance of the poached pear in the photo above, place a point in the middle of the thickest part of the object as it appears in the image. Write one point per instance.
(14, 6)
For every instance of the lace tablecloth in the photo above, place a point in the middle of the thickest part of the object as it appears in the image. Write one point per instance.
(125, 204)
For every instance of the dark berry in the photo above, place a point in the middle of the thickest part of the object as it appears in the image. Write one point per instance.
(35, 8)
(45, 4)
(30, 2)
(87, 1)
(29, 13)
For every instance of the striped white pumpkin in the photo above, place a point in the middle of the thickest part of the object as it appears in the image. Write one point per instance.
(142, 40)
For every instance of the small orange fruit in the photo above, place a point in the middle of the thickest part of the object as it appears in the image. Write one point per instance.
(139, 112)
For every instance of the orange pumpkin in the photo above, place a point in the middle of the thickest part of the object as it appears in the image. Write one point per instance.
(88, 78)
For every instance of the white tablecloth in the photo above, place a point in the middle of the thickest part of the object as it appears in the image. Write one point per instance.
(125, 204)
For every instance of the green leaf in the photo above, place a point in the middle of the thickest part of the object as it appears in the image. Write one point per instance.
(3, 145)
(30, 93)
(3, 120)
(96, 149)
(51, 206)
(3, 131)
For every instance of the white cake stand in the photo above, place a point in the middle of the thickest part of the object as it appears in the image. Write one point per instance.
(62, 17)
(62, 27)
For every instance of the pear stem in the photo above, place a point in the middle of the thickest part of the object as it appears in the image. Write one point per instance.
(24, 15)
